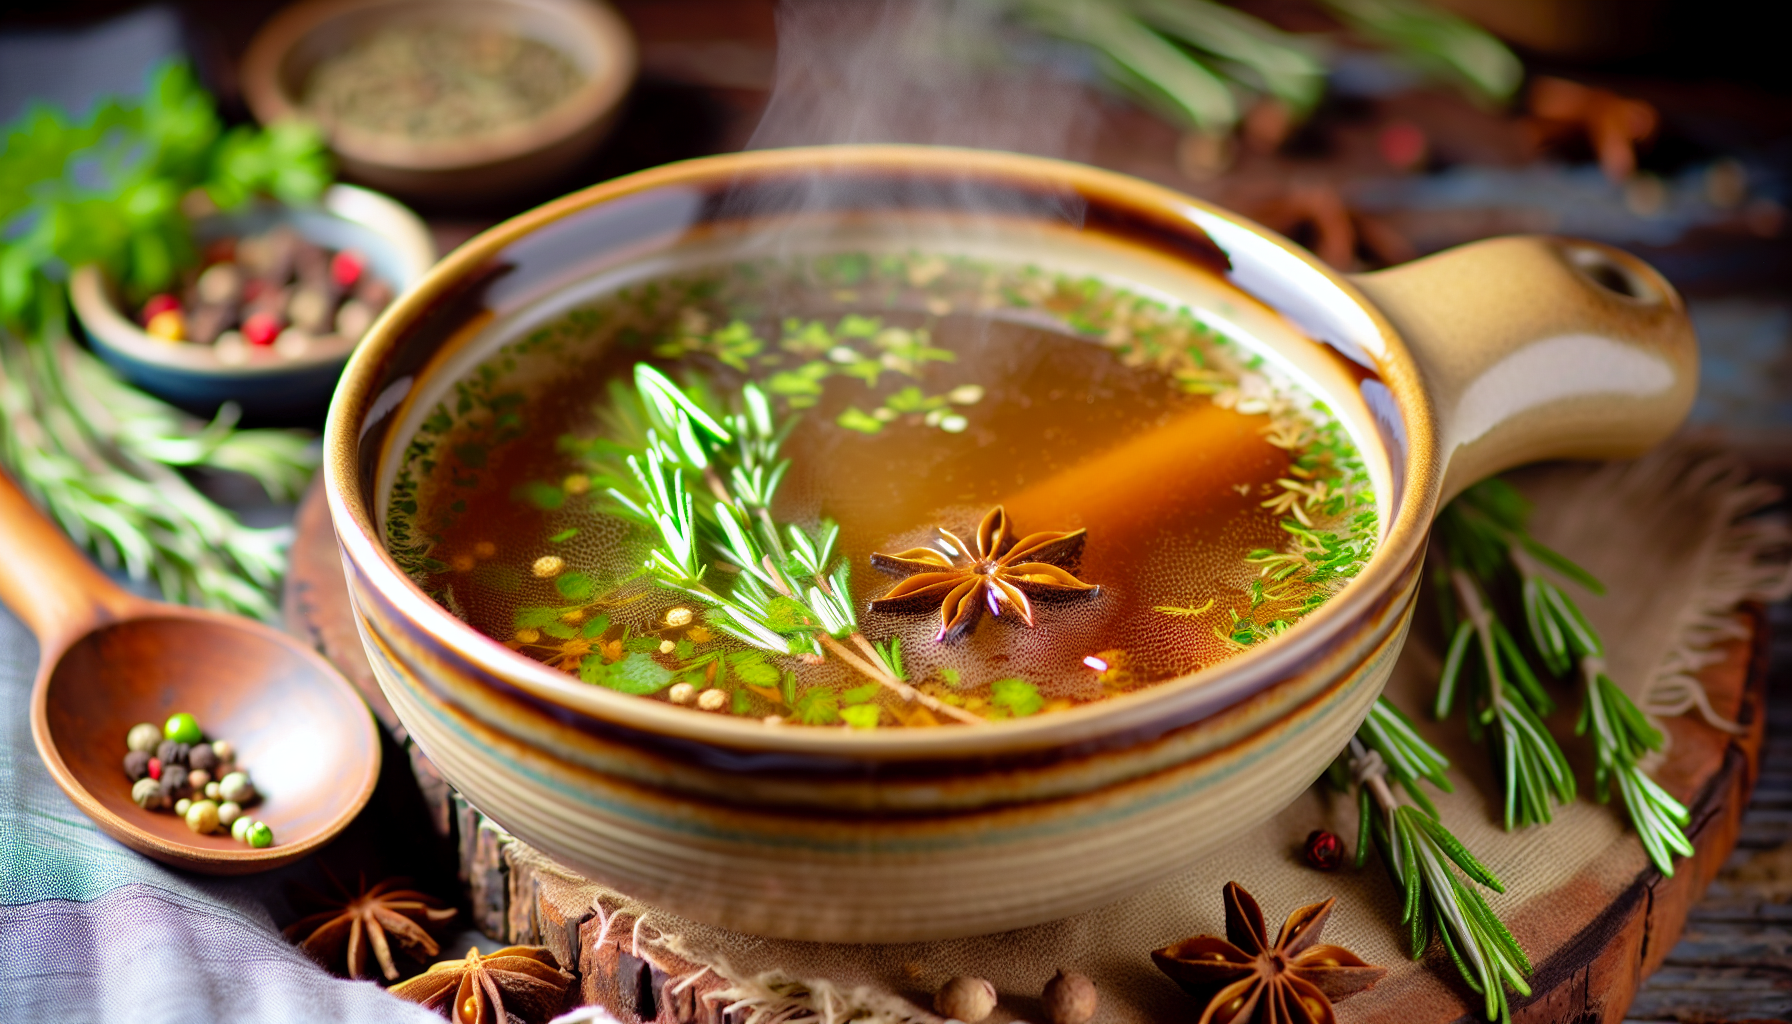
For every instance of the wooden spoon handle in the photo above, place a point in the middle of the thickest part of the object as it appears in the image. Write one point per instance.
(44, 579)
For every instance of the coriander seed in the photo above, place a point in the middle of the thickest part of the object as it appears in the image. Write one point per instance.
(1069, 998)
(143, 737)
(202, 817)
(965, 999)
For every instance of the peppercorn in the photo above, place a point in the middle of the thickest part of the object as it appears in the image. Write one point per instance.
(965, 999)
(226, 753)
(203, 758)
(237, 788)
(136, 764)
(228, 813)
(214, 792)
(182, 728)
(181, 806)
(202, 817)
(239, 829)
(155, 768)
(199, 778)
(1323, 850)
(176, 776)
(143, 736)
(1069, 998)
(172, 752)
(259, 835)
(147, 794)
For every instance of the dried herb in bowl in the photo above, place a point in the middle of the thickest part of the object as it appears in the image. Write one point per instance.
(429, 83)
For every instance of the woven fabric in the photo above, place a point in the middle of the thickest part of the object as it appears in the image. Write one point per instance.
(1665, 537)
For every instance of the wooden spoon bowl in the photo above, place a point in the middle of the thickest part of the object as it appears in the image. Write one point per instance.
(110, 660)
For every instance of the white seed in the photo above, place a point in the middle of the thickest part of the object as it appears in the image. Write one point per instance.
(680, 616)
(667, 647)
(965, 394)
(681, 693)
(953, 424)
(548, 566)
(712, 699)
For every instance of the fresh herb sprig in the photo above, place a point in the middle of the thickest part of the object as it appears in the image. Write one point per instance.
(102, 458)
(1419, 853)
(789, 593)
(1487, 545)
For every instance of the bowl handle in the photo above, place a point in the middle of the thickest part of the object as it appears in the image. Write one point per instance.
(1534, 347)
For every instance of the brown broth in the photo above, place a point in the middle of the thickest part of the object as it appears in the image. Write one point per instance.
(1175, 480)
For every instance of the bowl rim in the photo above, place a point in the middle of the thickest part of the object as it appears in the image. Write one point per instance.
(593, 24)
(1391, 568)
(92, 299)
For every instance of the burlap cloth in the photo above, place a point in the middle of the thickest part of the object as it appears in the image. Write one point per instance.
(1668, 536)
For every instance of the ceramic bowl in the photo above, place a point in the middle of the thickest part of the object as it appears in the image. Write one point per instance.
(264, 382)
(1445, 370)
(589, 32)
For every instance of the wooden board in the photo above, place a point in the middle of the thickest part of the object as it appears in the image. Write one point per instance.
(518, 895)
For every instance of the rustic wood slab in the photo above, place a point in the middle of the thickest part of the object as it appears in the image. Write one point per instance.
(518, 895)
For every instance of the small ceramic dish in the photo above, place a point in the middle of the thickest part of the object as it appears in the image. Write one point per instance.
(1444, 371)
(264, 381)
(591, 34)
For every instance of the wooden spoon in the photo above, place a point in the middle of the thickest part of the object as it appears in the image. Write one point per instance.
(110, 659)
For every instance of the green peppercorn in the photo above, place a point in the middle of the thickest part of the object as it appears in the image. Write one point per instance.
(260, 835)
(202, 817)
(228, 813)
(147, 793)
(182, 728)
(143, 736)
(239, 829)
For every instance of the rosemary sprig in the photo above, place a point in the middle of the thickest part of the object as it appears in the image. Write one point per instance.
(1484, 536)
(1419, 851)
(101, 457)
(789, 593)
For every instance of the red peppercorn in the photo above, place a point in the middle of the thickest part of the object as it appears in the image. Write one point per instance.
(155, 768)
(158, 304)
(261, 329)
(1323, 850)
(346, 267)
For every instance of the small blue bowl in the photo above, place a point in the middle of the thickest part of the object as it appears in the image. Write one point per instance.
(269, 385)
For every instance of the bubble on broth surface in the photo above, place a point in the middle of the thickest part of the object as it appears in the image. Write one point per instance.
(1220, 503)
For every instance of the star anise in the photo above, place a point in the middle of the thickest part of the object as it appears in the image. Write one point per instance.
(515, 985)
(1000, 572)
(1247, 979)
(375, 918)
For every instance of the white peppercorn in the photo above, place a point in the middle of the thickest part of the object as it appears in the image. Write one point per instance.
(144, 737)
(199, 778)
(225, 752)
(147, 793)
(236, 788)
(240, 827)
(228, 813)
(214, 792)
(182, 805)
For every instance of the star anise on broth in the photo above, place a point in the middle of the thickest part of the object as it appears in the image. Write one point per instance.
(999, 572)
(1243, 978)
(515, 985)
(374, 919)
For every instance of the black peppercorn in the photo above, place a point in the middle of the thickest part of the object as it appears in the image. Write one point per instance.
(136, 764)
(1323, 850)
(171, 752)
(202, 759)
(174, 781)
